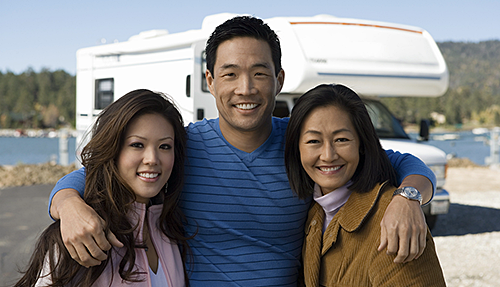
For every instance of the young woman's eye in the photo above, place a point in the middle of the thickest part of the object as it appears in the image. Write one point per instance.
(137, 145)
(165, 146)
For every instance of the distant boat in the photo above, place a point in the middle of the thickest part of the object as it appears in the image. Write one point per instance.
(446, 137)
(480, 131)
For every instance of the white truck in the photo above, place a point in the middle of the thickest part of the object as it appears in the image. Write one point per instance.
(376, 59)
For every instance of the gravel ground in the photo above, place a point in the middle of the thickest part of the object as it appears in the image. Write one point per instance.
(32, 174)
(468, 237)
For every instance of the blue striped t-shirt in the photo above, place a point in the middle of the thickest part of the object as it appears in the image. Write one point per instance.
(250, 223)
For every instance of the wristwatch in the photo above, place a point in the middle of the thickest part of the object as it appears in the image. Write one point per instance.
(410, 193)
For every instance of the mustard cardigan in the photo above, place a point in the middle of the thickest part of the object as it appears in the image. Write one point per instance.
(349, 256)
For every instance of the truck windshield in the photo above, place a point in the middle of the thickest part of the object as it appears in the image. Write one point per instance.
(386, 125)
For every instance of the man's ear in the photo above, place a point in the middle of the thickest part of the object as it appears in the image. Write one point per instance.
(210, 82)
(280, 79)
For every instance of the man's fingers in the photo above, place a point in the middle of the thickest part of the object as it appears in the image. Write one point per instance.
(73, 253)
(113, 240)
(383, 238)
(84, 258)
(101, 242)
(393, 242)
(422, 243)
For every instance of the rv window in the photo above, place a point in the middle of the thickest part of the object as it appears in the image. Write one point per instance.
(204, 86)
(104, 93)
(188, 86)
(386, 125)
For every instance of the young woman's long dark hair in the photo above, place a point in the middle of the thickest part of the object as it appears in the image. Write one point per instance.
(108, 194)
(374, 165)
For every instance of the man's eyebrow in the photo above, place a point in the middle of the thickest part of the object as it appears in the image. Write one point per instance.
(261, 65)
(229, 66)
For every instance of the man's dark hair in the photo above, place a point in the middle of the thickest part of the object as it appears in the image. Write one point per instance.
(243, 26)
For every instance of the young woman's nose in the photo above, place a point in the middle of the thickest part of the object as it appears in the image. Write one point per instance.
(150, 156)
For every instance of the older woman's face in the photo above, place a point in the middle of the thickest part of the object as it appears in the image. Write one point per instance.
(329, 147)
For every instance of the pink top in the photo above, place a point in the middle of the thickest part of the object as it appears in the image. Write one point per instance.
(168, 254)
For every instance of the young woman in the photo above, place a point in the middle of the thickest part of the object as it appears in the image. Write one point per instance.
(135, 166)
(333, 152)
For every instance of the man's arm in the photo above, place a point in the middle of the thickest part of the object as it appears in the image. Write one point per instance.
(81, 227)
(74, 180)
(406, 165)
(403, 228)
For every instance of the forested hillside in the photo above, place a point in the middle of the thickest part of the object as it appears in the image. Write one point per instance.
(473, 96)
(47, 99)
(37, 100)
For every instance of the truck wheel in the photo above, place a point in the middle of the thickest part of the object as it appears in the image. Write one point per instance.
(431, 220)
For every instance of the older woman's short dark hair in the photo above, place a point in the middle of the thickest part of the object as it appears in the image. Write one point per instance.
(374, 165)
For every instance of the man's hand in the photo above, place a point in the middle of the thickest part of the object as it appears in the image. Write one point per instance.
(81, 228)
(403, 230)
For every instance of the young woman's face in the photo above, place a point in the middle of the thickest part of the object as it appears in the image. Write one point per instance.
(147, 157)
(329, 147)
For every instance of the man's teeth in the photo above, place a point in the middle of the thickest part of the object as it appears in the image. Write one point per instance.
(148, 175)
(246, 106)
(326, 169)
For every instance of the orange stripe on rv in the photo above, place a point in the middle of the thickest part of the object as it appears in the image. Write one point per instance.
(356, 24)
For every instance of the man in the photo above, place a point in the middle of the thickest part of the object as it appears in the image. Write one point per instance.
(236, 197)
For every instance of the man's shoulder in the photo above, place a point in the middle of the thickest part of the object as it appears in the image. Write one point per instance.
(201, 126)
(279, 126)
(281, 121)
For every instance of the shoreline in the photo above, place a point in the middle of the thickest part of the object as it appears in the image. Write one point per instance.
(32, 174)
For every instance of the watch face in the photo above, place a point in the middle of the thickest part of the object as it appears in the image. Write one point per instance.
(411, 191)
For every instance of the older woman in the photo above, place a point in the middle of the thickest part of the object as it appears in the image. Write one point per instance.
(332, 152)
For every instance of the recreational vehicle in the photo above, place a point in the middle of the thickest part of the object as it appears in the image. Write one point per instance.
(376, 59)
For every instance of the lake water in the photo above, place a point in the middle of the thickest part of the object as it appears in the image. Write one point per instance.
(41, 150)
(33, 150)
(467, 144)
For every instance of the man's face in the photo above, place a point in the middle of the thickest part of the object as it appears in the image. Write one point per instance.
(244, 85)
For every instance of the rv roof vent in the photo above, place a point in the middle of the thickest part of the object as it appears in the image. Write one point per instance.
(148, 34)
(324, 16)
(212, 21)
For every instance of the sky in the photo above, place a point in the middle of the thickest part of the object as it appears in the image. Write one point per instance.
(47, 33)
